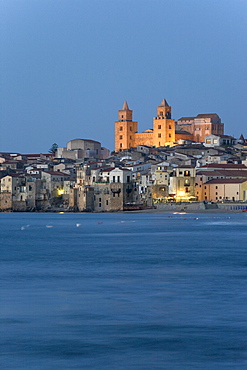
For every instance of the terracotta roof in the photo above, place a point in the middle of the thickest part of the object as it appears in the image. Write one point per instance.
(207, 115)
(208, 173)
(16, 175)
(109, 169)
(180, 131)
(226, 181)
(226, 136)
(224, 166)
(186, 118)
(225, 173)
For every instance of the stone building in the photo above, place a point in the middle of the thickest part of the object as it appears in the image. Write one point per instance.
(202, 125)
(164, 132)
(226, 190)
(79, 149)
(126, 130)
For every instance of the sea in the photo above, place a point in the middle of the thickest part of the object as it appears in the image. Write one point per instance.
(123, 290)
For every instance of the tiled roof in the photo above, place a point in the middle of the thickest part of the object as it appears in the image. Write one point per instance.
(225, 165)
(226, 181)
(224, 173)
(186, 118)
(207, 115)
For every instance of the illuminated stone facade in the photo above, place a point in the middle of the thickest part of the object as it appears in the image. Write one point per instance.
(164, 131)
(202, 125)
(126, 130)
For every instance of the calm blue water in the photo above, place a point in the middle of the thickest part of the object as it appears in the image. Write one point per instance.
(123, 291)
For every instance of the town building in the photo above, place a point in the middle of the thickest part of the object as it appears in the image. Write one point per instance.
(79, 149)
(233, 189)
(202, 125)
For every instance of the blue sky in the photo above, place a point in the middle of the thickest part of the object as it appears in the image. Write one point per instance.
(67, 66)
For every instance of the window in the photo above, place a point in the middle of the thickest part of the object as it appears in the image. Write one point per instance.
(128, 178)
(121, 145)
(186, 190)
(121, 128)
(170, 135)
(106, 202)
(159, 135)
(118, 179)
(130, 137)
(159, 127)
(113, 179)
(170, 127)
(186, 173)
(120, 137)
(130, 128)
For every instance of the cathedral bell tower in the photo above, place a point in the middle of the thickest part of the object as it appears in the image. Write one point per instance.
(163, 126)
(125, 129)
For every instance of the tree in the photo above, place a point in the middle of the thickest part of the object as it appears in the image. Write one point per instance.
(53, 148)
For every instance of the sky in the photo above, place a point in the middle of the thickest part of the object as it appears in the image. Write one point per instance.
(68, 65)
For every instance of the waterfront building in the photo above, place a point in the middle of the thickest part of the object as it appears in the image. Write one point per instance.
(216, 172)
(233, 189)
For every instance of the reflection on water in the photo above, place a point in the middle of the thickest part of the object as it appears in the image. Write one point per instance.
(117, 291)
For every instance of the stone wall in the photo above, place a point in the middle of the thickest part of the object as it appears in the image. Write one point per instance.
(5, 201)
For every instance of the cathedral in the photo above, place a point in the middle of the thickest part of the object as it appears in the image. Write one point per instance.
(165, 130)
